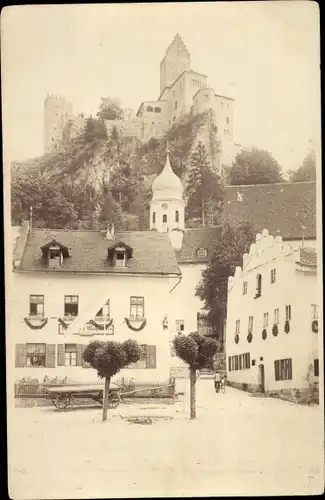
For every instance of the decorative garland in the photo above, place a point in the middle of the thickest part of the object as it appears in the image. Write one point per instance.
(275, 330)
(36, 327)
(100, 327)
(314, 326)
(141, 327)
(63, 323)
(249, 337)
(236, 338)
(287, 327)
(264, 334)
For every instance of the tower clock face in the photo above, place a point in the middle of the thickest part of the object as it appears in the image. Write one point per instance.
(164, 206)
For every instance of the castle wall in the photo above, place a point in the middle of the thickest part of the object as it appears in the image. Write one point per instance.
(57, 113)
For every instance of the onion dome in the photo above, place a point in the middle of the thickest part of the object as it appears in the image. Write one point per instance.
(167, 184)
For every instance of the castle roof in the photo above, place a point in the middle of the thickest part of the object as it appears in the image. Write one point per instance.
(286, 209)
(152, 252)
(167, 184)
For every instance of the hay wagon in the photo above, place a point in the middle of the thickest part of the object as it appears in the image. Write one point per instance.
(64, 396)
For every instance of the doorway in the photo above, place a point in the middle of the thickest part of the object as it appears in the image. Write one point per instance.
(262, 378)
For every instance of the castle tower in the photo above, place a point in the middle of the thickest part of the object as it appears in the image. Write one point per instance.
(57, 113)
(167, 204)
(177, 59)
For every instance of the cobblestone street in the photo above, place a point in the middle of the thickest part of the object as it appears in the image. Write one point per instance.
(239, 445)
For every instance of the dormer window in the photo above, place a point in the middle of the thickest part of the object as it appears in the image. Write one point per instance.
(202, 252)
(119, 254)
(120, 257)
(54, 253)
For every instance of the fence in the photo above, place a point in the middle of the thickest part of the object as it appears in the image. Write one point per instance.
(164, 389)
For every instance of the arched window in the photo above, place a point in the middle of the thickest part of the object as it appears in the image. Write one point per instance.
(164, 218)
(177, 216)
(258, 285)
(153, 217)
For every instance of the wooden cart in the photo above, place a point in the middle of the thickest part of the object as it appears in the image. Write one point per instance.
(63, 396)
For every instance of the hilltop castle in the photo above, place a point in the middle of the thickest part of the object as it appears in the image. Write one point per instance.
(182, 91)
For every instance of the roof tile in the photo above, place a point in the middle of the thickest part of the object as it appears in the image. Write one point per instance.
(152, 252)
(284, 209)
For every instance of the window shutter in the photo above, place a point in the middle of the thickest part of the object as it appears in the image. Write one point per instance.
(248, 360)
(276, 370)
(229, 363)
(20, 361)
(61, 355)
(80, 350)
(84, 364)
(50, 356)
(290, 369)
(151, 356)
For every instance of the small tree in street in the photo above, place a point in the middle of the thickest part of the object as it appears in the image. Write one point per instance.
(108, 358)
(198, 352)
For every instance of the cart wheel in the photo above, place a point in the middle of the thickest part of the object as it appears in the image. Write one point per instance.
(61, 401)
(113, 401)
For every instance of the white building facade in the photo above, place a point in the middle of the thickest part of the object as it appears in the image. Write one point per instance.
(73, 287)
(273, 317)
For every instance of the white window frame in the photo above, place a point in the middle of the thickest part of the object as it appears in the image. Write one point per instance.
(180, 325)
(276, 316)
(39, 301)
(138, 305)
(288, 312)
(70, 356)
(238, 326)
(266, 320)
(314, 312)
(250, 323)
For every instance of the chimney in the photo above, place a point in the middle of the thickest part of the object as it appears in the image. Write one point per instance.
(110, 232)
(176, 238)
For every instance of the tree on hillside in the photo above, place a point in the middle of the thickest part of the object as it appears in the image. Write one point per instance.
(204, 189)
(124, 184)
(50, 207)
(108, 358)
(110, 109)
(94, 130)
(198, 352)
(255, 166)
(306, 171)
(110, 209)
(213, 287)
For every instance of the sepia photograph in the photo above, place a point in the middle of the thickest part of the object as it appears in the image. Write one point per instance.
(163, 249)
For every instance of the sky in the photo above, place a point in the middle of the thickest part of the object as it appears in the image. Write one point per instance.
(263, 54)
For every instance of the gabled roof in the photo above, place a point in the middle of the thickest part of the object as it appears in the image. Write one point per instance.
(197, 238)
(116, 244)
(55, 243)
(152, 252)
(284, 209)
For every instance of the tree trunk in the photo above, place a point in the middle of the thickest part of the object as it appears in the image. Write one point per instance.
(105, 399)
(203, 218)
(193, 393)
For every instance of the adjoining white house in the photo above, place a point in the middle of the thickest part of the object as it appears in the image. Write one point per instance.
(72, 287)
(273, 317)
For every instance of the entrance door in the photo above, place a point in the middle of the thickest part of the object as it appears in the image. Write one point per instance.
(262, 378)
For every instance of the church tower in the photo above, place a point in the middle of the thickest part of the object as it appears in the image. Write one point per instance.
(167, 205)
(177, 60)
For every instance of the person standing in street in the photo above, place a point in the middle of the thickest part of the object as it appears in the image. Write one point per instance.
(217, 380)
